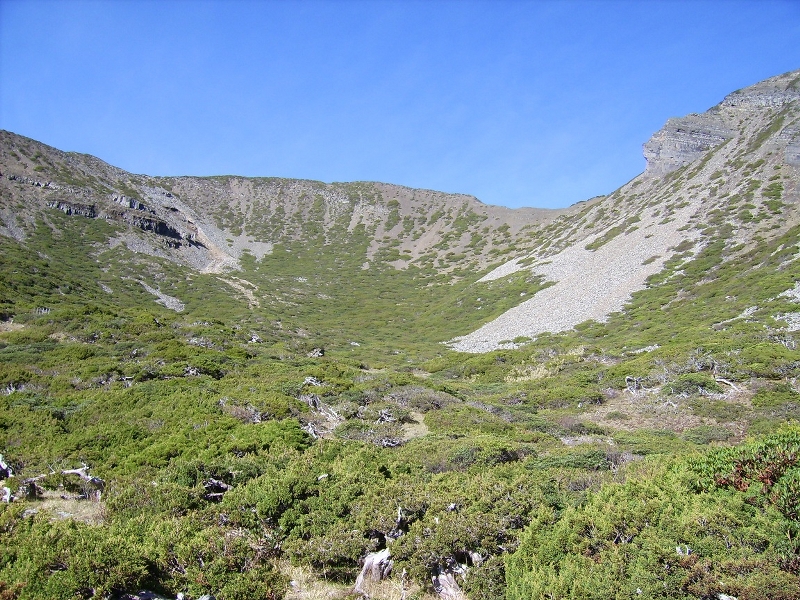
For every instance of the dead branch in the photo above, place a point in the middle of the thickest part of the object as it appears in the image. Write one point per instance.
(29, 488)
(726, 382)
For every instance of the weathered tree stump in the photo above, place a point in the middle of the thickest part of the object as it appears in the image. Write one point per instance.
(377, 567)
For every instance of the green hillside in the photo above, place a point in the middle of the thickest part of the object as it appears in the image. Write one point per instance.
(244, 388)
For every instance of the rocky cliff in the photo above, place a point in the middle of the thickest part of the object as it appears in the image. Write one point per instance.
(683, 140)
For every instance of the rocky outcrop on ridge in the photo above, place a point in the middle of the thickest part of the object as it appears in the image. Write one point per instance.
(774, 92)
(682, 141)
(36, 177)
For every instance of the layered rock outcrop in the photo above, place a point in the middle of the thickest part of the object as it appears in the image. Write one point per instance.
(774, 92)
(682, 141)
(73, 208)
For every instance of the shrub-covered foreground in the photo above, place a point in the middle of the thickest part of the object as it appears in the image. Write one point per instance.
(725, 522)
(722, 525)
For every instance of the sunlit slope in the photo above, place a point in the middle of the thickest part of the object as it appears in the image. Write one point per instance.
(729, 175)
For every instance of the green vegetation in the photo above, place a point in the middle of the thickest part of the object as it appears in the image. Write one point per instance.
(159, 404)
(725, 523)
(303, 412)
(613, 232)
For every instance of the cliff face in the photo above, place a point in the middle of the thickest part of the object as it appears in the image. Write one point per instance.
(683, 140)
(772, 93)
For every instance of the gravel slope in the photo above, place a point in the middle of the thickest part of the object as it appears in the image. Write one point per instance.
(588, 284)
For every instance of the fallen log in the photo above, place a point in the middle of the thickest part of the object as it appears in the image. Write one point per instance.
(30, 489)
(726, 382)
(83, 473)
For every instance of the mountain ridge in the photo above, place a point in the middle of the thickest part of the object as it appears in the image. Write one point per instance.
(223, 217)
(208, 223)
(368, 202)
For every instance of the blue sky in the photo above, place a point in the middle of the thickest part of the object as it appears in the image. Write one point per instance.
(518, 103)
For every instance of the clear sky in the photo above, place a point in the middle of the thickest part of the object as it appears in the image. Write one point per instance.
(518, 103)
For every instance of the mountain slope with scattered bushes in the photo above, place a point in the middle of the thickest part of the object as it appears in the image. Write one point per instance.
(273, 388)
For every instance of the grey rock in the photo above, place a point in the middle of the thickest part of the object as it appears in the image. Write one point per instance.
(774, 92)
(682, 141)
(791, 137)
(73, 208)
(133, 203)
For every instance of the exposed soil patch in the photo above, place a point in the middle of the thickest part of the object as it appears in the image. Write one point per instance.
(417, 428)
